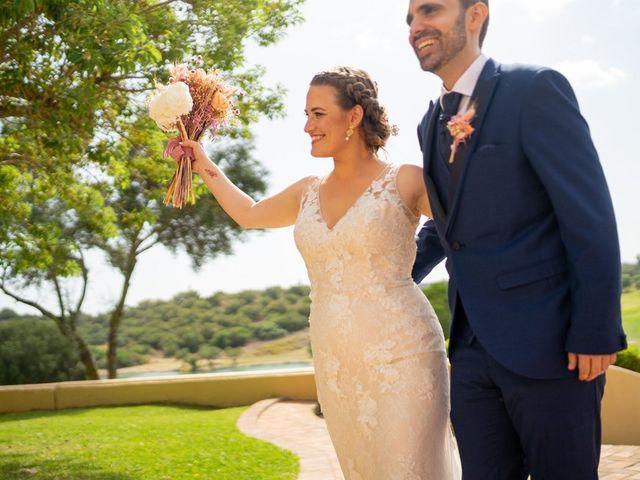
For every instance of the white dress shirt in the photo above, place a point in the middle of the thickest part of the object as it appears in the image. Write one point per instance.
(466, 83)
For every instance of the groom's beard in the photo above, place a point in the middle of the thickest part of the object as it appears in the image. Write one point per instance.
(450, 45)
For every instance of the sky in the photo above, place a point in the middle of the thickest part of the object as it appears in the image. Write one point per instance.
(593, 42)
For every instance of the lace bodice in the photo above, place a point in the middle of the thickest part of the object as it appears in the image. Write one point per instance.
(371, 245)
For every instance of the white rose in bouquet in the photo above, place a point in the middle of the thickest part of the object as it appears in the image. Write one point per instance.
(169, 104)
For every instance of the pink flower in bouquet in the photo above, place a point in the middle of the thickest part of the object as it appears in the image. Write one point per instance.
(212, 100)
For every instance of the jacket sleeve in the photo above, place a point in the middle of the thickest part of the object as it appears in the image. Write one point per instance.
(557, 142)
(429, 249)
(429, 253)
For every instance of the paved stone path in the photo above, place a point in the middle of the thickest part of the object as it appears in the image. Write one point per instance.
(294, 426)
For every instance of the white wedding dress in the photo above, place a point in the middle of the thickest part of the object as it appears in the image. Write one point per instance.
(378, 349)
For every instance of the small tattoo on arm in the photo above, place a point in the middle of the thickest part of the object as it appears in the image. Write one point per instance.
(212, 173)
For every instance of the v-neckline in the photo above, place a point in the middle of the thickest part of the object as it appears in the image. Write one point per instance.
(381, 175)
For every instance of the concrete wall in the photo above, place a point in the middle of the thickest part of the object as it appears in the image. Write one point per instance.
(621, 407)
(216, 390)
(620, 410)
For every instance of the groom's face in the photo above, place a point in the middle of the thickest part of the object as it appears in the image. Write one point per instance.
(437, 31)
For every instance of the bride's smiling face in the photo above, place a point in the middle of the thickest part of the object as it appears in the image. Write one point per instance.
(327, 122)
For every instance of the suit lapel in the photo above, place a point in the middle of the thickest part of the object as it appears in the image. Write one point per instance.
(439, 215)
(481, 98)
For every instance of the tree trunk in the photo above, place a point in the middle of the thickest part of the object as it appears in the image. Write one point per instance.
(87, 359)
(116, 316)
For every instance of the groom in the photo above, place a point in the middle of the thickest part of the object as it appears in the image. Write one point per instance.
(523, 215)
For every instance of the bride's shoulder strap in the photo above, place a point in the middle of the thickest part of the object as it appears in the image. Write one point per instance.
(309, 185)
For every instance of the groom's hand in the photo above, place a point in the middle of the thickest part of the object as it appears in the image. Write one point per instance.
(590, 367)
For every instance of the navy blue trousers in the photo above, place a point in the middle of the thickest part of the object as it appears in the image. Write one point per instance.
(508, 426)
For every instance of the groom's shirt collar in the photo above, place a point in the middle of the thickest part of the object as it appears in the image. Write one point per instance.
(467, 82)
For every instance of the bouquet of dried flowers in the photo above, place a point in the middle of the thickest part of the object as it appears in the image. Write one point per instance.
(194, 102)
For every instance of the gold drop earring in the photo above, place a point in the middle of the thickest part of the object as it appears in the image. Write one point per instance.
(349, 133)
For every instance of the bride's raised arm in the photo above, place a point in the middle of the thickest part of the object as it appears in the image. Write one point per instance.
(279, 210)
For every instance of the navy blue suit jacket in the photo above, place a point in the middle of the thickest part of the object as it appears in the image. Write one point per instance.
(530, 235)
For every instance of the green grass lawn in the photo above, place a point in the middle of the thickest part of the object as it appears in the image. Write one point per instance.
(137, 443)
(631, 316)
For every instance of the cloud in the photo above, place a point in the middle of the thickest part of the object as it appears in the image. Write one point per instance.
(541, 9)
(589, 74)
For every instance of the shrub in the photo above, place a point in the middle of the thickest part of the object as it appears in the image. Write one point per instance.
(276, 306)
(299, 290)
(232, 337)
(304, 308)
(128, 357)
(291, 322)
(34, 351)
(273, 292)
(269, 331)
(252, 311)
(125, 357)
(629, 359)
(209, 353)
(190, 339)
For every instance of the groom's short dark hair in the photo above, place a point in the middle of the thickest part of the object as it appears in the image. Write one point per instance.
(466, 4)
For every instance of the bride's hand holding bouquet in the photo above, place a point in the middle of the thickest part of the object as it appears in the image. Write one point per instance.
(200, 164)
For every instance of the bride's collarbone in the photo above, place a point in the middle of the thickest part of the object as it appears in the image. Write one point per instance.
(336, 192)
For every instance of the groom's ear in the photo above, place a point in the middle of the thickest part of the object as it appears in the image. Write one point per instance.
(477, 15)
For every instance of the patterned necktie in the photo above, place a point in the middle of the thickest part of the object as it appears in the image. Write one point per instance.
(450, 105)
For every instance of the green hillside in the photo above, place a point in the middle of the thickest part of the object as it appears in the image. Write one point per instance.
(194, 332)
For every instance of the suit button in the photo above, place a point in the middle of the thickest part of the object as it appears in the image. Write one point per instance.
(456, 246)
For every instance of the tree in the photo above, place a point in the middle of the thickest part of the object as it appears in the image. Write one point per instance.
(209, 353)
(232, 337)
(269, 330)
(79, 160)
(233, 353)
(64, 220)
(189, 358)
(290, 321)
(7, 314)
(34, 351)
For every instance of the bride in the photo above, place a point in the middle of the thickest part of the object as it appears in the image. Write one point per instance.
(378, 349)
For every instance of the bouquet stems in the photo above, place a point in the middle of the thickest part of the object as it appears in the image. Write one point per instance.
(180, 189)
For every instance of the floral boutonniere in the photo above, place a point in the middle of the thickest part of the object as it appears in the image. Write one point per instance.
(460, 129)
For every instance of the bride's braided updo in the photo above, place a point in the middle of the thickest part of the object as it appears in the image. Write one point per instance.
(355, 87)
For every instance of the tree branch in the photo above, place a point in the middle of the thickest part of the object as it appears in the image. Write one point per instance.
(16, 160)
(38, 307)
(11, 112)
(147, 247)
(54, 279)
(85, 281)
(153, 232)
